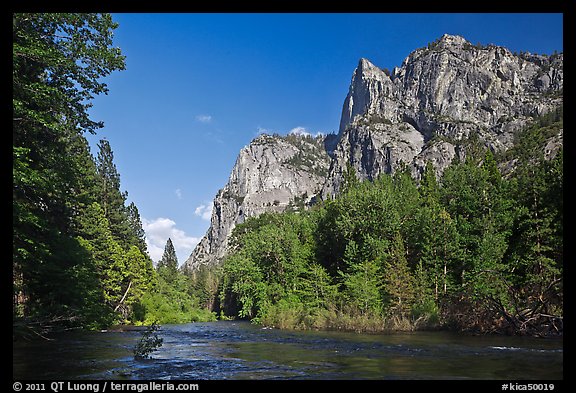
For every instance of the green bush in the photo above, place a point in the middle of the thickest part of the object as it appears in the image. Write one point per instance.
(149, 342)
(425, 313)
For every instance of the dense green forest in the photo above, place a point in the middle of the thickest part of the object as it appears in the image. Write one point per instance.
(471, 251)
(79, 252)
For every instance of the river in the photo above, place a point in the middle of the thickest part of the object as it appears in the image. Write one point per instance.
(240, 350)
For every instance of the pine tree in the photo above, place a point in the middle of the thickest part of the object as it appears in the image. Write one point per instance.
(112, 199)
(363, 285)
(350, 179)
(316, 289)
(399, 282)
(428, 189)
(536, 250)
(140, 275)
(407, 204)
(137, 232)
(435, 242)
(489, 165)
(168, 266)
(106, 254)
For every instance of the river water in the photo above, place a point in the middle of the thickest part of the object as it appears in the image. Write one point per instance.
(240, 350)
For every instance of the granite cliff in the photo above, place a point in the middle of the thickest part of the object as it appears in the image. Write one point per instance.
(272, 173)
(441, 95)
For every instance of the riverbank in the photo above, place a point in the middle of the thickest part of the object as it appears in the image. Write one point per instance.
(329, 321)
(480, 323)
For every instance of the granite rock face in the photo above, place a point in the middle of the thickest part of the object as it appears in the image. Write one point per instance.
(422, 111)
(440, 95)
(272, 173)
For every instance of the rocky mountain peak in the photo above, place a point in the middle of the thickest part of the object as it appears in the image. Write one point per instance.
(368, 84)
(367, 70)
(441, 95)
(452, 41)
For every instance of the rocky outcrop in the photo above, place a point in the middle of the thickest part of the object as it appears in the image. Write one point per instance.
(272, 173)
(441, 94)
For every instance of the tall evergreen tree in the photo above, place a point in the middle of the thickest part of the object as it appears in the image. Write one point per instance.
(362, 288)
(350, 179)
(106, 255)
(536, 249)
(407, 204)
(112, 199)
(168, 266)
(399, 283)
(428, 189)
(137, 232)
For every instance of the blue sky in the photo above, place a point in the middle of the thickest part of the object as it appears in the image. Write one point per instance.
(199, 87)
